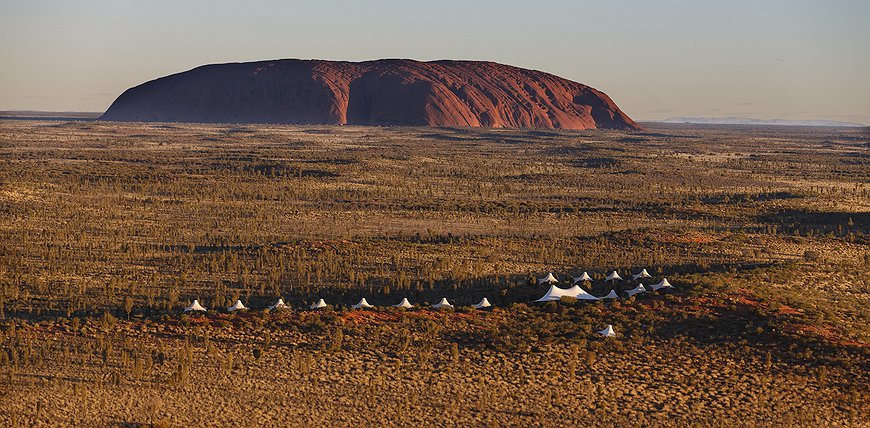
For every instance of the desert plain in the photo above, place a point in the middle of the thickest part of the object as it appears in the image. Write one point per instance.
(109, 230)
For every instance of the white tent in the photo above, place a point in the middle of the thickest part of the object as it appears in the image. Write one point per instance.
(636, 290)
(611, 295)
(584, 277)
(195, 306)
(663, 284)
(548, 279)
(556, 293)
(404, 304)
(607, 332)
(642, 274)
(613, 277)
(483, 304)
(279, 305)
(442, 304)
(320, 304)
(238, 306)
(363, 304)
(579, 293)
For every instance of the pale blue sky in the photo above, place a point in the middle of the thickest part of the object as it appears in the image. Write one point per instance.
(793, 59)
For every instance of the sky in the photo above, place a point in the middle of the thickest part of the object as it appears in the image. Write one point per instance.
(770, 59)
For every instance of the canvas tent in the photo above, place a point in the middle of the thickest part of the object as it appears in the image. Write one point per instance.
(320, 304)
(442, 304)
(404, 304)
(611, 295)
(641, 275)
(636, 290)
(483, 304)
(579, 293)
(238, 306)
(663, 284)
(607, 332)
(584, 277)
(549, 279)
(556, 293)
(613, 277)
(363, 304)
(195, 306)
(279, 305)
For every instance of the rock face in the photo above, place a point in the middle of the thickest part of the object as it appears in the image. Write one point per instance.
(382, 92)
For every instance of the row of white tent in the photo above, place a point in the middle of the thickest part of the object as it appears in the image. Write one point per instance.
(195, 306)
(613, 276)
(363, 304)
(556, 293)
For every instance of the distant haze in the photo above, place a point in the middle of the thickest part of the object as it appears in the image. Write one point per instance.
(793, 60)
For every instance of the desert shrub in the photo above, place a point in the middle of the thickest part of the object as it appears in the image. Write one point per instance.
(812, 256)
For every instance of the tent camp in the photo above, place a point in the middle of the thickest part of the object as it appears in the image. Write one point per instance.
(636, 290)
(195, 306)
(279, 305)
(238, 306)
(320, 304)
(556, 293)
(363, 304)
(404, 304)
(483, 304)
(642, 274)
(442, 304)
(611, 295)
(663, 284)
(549, 279)
(607, 332)
(584, 277)
(613, 277)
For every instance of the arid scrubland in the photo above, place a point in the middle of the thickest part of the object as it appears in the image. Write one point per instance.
(107, 231)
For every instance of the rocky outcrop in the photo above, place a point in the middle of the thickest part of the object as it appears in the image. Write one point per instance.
(382, 92)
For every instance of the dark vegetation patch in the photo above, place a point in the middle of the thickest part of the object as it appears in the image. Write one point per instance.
(742, 198)
(808, 223)
(604, 162)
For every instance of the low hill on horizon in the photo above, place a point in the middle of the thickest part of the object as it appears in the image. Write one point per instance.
(753, 121)
(381, 93)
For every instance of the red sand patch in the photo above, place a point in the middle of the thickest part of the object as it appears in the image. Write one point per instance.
(369, 317)
(746, 300)
(788, 310)
(377, 317)
(684, 238)
(824, 332)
